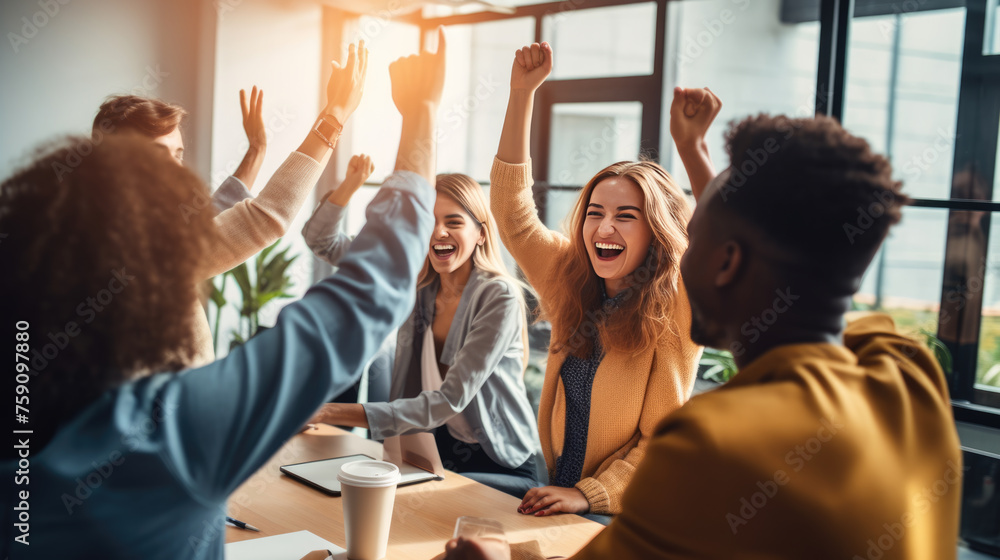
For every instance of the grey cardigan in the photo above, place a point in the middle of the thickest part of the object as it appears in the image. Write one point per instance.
(484, 352)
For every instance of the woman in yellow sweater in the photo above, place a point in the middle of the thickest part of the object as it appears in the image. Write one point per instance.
(620, 356)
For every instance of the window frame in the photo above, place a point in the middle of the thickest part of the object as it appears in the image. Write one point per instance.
(977, 126)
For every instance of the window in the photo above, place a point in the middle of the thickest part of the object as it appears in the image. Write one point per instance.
(751, 59)
(477, 80)
(921, 83)
(602, 42)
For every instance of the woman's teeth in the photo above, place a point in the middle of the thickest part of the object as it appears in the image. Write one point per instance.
(443, 249)
(608, 250)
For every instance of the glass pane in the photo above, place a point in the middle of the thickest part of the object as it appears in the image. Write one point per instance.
(991, 35)
(475, 93)
(903, 74)
(988, 365)
(374, 127)
(750, 58)
(559, 203)
(587, 137)
(904, 279)
(602, 42)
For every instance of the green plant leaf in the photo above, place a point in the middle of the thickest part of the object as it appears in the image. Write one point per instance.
(217, 297)
(722, 366)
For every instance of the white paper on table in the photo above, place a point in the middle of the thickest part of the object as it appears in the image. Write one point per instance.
(290, 546)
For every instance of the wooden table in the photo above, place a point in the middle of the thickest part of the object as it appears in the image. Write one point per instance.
(423, 517)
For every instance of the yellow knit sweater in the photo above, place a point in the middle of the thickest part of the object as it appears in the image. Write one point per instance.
(250, 226)
(631, 393)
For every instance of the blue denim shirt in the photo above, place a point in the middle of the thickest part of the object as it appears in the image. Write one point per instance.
(145, 471)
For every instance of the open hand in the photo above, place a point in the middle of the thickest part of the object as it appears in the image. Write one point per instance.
(691, 113)
(253, 117)
(418, 79)
(548, 500)
(532, 64)
(347, 83)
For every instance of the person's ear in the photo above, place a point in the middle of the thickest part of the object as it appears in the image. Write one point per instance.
(731, 263)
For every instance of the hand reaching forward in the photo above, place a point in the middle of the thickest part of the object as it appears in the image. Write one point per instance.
(347, 83)
(253, 117)
(532, 64)
(691, 113)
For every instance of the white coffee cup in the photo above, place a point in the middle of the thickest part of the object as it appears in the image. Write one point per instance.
(368, 489)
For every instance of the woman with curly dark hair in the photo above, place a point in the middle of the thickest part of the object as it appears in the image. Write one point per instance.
(131, 458)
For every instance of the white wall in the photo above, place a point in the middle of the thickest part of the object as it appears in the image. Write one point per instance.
(59, 68)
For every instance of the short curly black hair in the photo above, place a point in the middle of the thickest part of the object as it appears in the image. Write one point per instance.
(101, 264)
(818, 192)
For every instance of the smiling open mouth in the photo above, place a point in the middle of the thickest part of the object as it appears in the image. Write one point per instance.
(608, 251)
(443, 250)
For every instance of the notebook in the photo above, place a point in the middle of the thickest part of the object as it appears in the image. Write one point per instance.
(290, 546)
(415, 454)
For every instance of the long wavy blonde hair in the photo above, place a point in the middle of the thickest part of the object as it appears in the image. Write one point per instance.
(644, 312)
(486, 257)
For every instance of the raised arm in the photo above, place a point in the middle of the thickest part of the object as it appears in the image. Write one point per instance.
(253, 125)
(511, 200)
(691, 113)
(532, 64)
(253, 224)
(323, 232)
(417, 83)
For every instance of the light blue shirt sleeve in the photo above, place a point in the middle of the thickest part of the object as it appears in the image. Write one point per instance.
(496, 331)
(324, 234)
(231, 191)
(229, 417)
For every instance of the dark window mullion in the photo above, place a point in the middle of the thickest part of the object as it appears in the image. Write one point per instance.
(973, 169)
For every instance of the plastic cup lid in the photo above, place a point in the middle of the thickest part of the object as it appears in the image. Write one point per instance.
(369, 474)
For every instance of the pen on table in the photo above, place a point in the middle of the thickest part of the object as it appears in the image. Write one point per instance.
(241, 524)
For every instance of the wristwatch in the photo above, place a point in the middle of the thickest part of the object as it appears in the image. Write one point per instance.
(328, 129)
